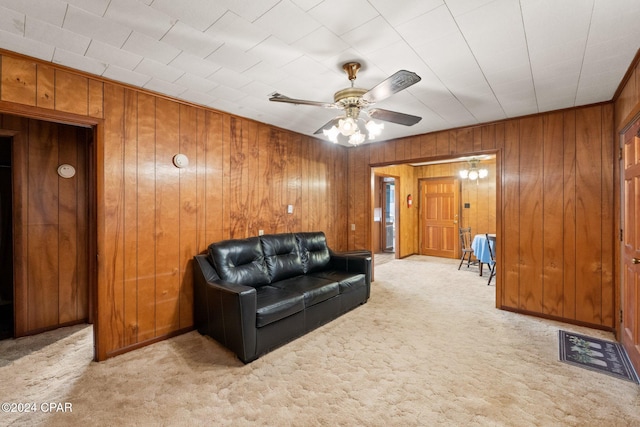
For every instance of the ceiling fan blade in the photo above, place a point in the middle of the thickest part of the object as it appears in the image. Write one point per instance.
(393, 84)
(278, 97)
(332, 122)
(394, 117)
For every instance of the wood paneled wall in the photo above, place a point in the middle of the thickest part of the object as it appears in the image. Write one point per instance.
(555, 219)
(51, 224)
(153, 217)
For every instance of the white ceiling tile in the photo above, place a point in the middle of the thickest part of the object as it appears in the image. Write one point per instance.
(96, 7)
(321, 44)
(330, 13)
(140, 17)
(95, 27)
(428, 27)
(200, 14)
(165, 87)
(233, 58)
(144, 45)
(275, 52)
(55, 36)
(287, 22)
(227, 93)
(258, 89)
(197, 97)
(159, 71)
(51, 11)
(472, 55)
(195, 83)
(17, 43)
(265, 73)
(249, 9)
(11, 21)
(189, 39)
(371, 36)
(306, 4)
(108, 54)
(79, 62)
(194, 65)
(397, 14)
(236, 31)
(123, 75)
(460, 7)
(230, 78)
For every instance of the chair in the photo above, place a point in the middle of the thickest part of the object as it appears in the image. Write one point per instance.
(491, 242)
(465, 244)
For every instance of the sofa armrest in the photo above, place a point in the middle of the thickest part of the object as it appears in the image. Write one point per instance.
(224, 311)
(353, 262)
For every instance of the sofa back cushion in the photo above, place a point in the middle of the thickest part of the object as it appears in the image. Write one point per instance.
(281, 256)
(240, 261)
(313, 250)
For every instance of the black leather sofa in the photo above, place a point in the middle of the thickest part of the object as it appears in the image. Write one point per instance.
(253, 295)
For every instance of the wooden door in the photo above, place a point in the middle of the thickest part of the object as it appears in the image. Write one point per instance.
(631, 245)
(439, 213)
(51, 222)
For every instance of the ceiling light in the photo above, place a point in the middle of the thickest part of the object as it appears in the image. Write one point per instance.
(472, 172)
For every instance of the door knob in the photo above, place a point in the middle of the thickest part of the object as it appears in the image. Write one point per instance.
(635, 261)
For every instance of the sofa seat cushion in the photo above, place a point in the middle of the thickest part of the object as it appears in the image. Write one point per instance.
(314, 289)
(274, 304)
(347, 282)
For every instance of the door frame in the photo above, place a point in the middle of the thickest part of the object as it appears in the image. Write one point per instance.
(378, 179)
(96, 147)
(499, 152)
(619, 203)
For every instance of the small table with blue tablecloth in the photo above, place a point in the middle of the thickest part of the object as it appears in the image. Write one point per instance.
(480, 247)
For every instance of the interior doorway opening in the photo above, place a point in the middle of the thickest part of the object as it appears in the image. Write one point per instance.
(6, 241)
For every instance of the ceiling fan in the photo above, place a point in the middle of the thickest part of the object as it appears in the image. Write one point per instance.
(354, 100)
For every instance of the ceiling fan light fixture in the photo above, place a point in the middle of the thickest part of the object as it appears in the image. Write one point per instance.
(347, 126)
(332, 134)
(357, 138)
(374, 129)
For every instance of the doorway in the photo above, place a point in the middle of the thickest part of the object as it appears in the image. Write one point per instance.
(439, 213)
(6, 240)
(630, 269)
(388, 243)
(385, 216)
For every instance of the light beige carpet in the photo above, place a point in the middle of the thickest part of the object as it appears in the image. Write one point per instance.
(428, 349)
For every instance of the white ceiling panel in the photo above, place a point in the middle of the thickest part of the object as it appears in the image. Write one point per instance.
(95, 7)
(321, 44)
(287, 22)
(50, 34)
(50, 11)
(194, 65)
(30, 47)
(11, 21)
(148, 47)
(188, 39)
(249, 9)
(95, 27)
(341, 18)
(396, 15)
(109, 54)
(79, 62)
(236, 31)
(479, 60)
(199, 14)
(123, 75)
(140, 17)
